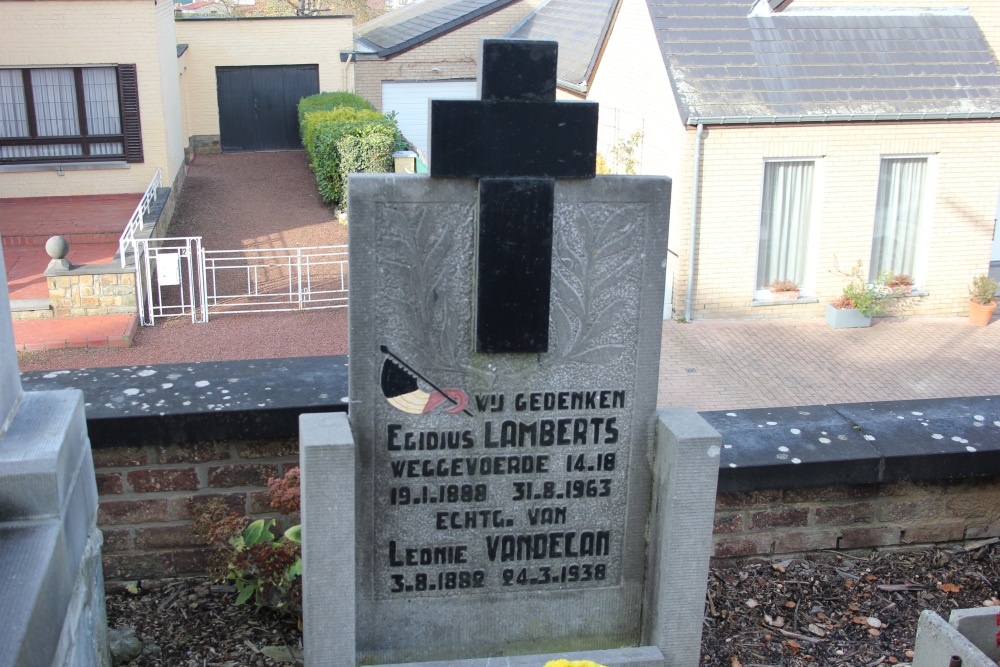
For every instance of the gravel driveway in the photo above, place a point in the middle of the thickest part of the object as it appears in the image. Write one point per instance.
(235, 200)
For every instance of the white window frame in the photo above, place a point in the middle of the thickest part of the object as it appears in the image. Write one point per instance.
(922, 256)
(808, 286)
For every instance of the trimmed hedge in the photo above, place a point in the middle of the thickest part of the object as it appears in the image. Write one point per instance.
(328, 101)
(345, 140)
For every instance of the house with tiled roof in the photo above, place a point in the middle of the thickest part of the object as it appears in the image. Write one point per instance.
(581, 27)
(802, 136)
(425, 50)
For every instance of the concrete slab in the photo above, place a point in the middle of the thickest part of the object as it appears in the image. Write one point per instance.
(930, 439)
(137, 405)
(811, 445)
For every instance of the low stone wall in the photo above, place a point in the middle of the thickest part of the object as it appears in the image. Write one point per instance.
(222, 429)
(147, 493)
(784, 521)
(94, 289)
(204, 144)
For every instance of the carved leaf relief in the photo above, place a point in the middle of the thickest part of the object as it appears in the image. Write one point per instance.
(593, 253)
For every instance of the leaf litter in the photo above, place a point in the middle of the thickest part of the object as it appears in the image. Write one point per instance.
(822, 609)
(831, 608)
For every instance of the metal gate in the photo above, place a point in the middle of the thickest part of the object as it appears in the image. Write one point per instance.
(258, 105)
(168, 278)
(177, 277)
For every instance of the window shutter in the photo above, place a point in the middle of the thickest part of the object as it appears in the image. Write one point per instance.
(129, 91)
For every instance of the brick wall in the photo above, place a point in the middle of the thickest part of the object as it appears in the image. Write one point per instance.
(785, 521)
(632, 87)
(958, 230)
(146, 495)
(450, 56)
(93, 294)
(170, 122)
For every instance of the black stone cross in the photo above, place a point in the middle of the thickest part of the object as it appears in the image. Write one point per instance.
(516, 139)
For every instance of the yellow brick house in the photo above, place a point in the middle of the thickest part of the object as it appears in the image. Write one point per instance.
(89, 97)
(96, 95)
(802, 135)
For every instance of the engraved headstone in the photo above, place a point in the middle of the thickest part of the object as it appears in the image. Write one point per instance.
(502, 493)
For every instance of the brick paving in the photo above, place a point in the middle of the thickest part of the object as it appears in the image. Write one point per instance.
(32, 221)
(718, 365)
(92, 225)
(95, 331)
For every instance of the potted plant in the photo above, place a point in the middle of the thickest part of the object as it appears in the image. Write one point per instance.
(899, 283)
(784, 290)
(982, 302)
(859, 301)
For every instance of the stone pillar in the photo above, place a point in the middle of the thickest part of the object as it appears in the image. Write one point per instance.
(326, 455)
(10, 379)
(52, 600)
(685, 477)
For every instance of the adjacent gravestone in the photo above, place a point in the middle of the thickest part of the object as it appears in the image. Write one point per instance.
(500, 462)
(52, 599)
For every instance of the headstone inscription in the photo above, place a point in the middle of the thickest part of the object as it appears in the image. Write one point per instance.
(503, 469)
(500, 485)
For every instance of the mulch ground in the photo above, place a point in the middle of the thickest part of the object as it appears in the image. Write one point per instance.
(858, 610)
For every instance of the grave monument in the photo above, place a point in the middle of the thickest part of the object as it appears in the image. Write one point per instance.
(505, 485)
(52, 598)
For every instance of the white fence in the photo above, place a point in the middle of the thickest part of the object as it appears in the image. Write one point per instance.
(177, 277)
(253, 280)
(135, 222)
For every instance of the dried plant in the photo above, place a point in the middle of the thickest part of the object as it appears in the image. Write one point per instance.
(784, 285)
(260, 564)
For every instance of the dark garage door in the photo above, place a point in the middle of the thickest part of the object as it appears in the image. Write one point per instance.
(257, 105)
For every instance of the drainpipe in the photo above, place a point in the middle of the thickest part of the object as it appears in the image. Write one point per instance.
(347, 64)
(694, 220)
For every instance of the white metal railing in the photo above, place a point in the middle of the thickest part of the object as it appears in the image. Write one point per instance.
(256, 280)
(135, 222)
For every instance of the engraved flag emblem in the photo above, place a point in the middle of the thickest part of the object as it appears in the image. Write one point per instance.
(401, 389)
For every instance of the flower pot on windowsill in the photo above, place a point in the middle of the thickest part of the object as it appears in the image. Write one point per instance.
(980, 314)
(846, 318)
(785, 296)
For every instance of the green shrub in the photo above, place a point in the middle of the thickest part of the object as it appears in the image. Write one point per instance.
(328, 101)
(345, 140)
